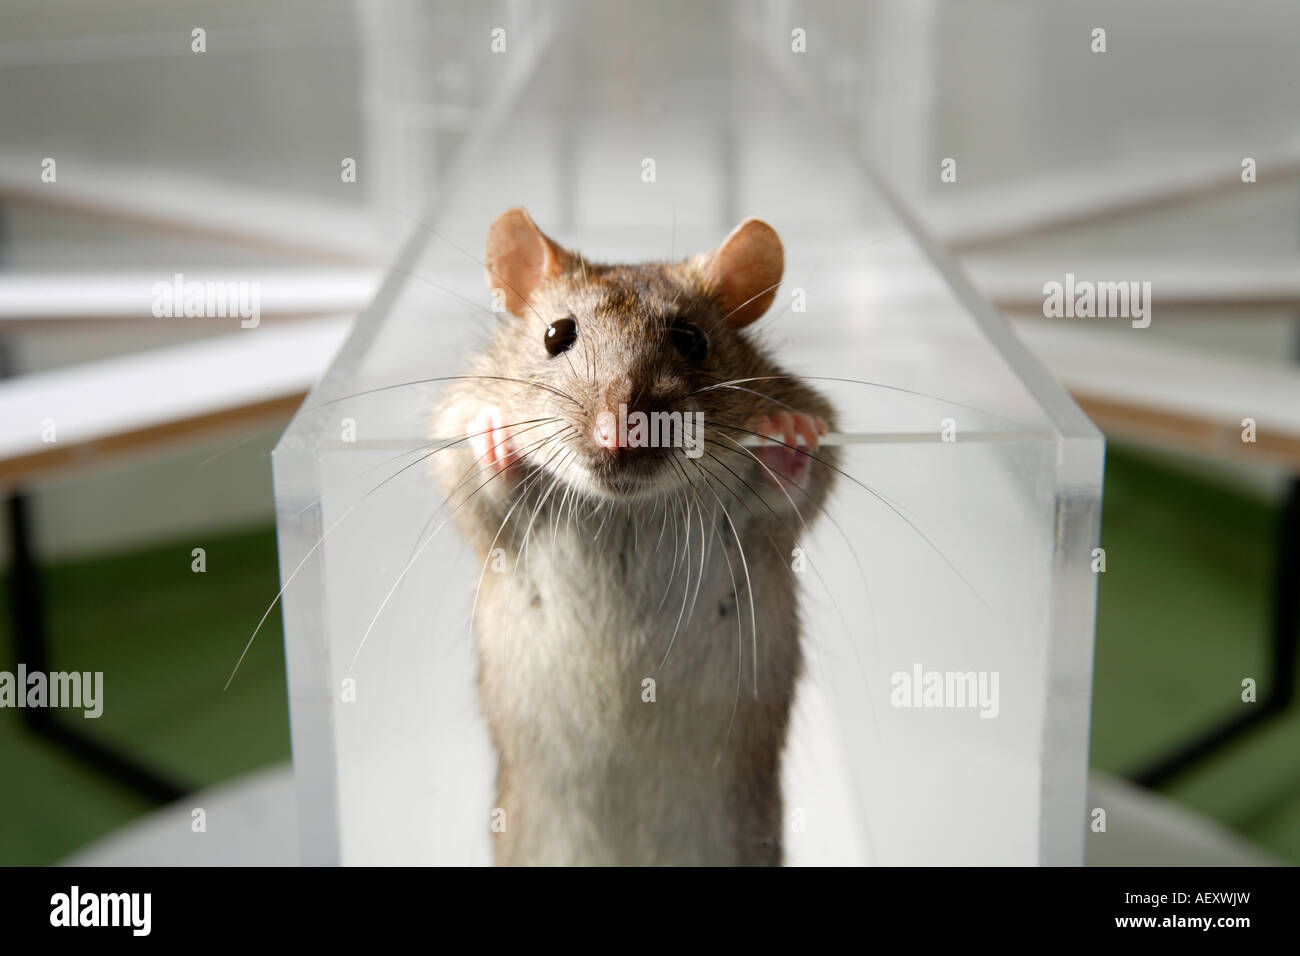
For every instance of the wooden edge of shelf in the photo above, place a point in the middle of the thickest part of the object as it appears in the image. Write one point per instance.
(60, 459)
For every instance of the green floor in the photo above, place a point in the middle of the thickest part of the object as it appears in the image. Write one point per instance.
(167, 638)
(1183, 619)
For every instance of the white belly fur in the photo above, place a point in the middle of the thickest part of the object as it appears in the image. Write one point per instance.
(592, 773)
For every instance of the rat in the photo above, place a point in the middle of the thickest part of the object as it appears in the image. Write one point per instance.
(636, 623)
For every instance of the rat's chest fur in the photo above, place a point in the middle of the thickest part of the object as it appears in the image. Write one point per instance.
(617, 675)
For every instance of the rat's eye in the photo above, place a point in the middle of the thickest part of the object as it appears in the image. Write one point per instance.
(690, 340)
(561, 335)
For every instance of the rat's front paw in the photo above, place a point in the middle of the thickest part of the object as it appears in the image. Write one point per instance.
(794, 436)
(490, 441)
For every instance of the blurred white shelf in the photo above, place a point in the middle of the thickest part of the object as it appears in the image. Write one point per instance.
(1015, 284)
(160, 396)
(186, 205)
(1133, 386)
(46, 299)
(1150, 389)
(1059, 199)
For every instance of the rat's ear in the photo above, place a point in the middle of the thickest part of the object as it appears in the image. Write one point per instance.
(743, 272)
(519, 258)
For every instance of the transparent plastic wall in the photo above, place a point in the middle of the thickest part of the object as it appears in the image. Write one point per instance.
(428, 72)
(958, 540)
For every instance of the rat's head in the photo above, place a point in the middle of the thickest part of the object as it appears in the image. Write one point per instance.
(625, 354)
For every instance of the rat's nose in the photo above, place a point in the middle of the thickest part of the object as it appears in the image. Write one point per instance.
(606, 431)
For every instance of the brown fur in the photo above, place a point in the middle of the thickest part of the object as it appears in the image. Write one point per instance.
(688, 746)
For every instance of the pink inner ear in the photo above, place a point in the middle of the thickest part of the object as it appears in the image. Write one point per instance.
(519, 257)
(744, 271)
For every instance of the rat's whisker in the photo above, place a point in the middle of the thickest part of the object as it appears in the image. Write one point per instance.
(426, 457)
(411, 563)
(757, 295)
(862, 574)
(294, 574)
(685, 555)
(663, 525)
(558, 514)
(517, 453)
(441, 443)
(605, 507)
(274, 426)
(785, 526)
(741, 388)
(744, 563)
(289, 580)
(677, 555)
(781, 481)
(473, 258)
(855, 381)
(521, 547)
(808, 283)
(699, 509)
(555, 483)
(686, 588)
(429, 540)
(478, 587)
(740, 632)
(475, 469)
(559, 509)
(497, 276)
(822, 461)
(881, 498)
(706, 548)
(444, 378)
(448, 291)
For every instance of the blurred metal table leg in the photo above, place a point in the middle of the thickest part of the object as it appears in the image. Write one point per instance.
(1280, 687)
(31, 648)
